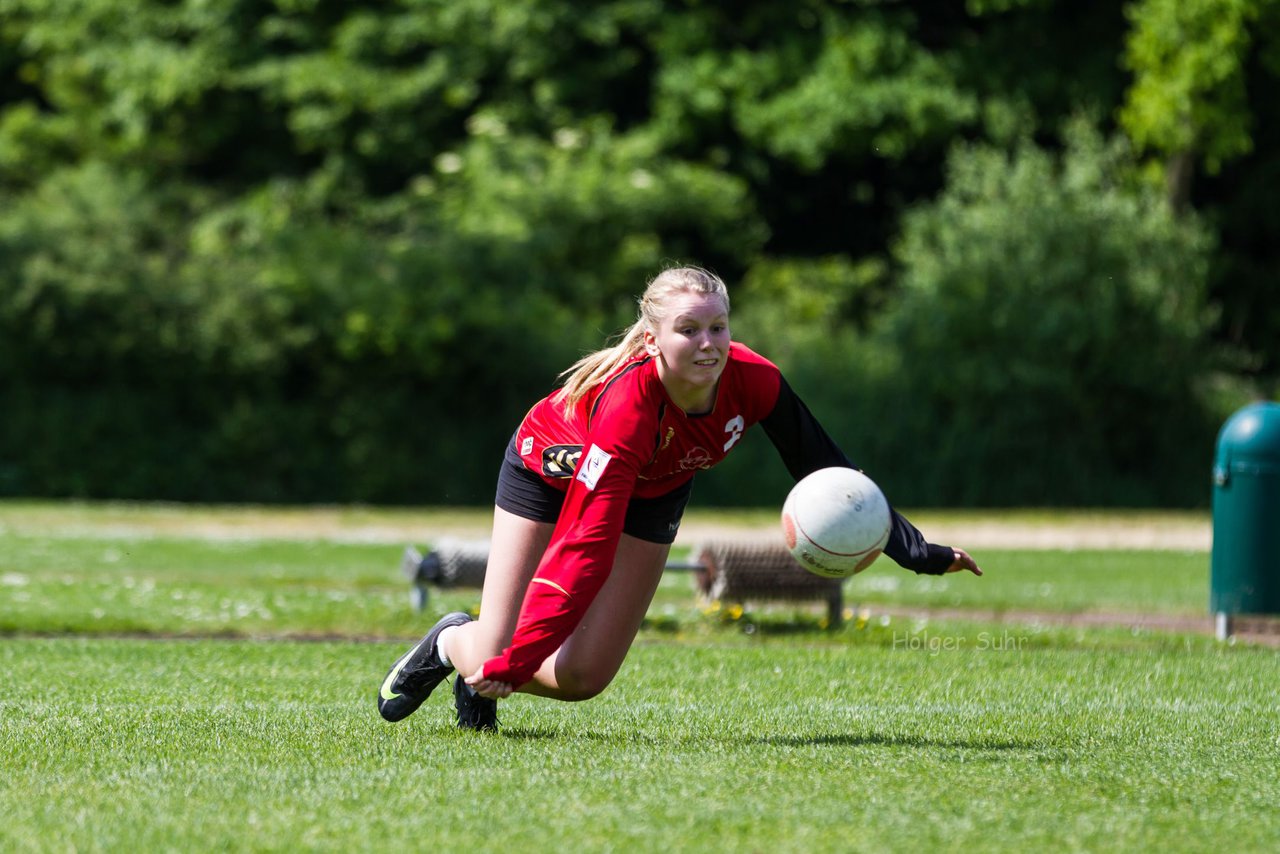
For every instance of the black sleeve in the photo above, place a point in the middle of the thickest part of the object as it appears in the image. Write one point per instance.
(805, 447)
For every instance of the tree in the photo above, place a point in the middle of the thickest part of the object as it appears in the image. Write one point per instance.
(1203, 74)
(1188, 100)
(1052, 326)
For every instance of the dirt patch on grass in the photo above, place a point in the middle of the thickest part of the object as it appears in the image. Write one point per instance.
(241, 522)
(974, 530)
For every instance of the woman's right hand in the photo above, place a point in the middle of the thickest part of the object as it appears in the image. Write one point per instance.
(488, 687)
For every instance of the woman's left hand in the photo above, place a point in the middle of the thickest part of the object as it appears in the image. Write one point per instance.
(964, 561)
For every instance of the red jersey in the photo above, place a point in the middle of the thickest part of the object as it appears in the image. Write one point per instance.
(625, 438)
(632, 412)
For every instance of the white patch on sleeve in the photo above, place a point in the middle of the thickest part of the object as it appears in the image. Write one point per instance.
(593, 466)
(526, 447)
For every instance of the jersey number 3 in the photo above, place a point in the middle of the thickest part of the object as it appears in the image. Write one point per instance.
(734, 428)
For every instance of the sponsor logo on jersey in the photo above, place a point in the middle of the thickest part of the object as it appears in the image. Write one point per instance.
(526, 447)
(593, 467)
(560, 460)
(697, 458)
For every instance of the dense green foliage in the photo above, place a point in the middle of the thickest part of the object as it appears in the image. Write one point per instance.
(308, 250)
(1069, 313)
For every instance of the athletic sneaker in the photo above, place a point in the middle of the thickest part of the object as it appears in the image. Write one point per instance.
(416, 674)
(474, 711)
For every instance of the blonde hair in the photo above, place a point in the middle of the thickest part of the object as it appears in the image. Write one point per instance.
(594, 368)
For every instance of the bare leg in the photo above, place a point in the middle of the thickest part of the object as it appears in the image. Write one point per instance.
(514, 552)
(587, 662)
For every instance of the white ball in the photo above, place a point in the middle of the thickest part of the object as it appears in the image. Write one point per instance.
(835, 522)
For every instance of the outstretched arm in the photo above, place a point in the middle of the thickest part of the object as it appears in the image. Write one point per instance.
(805, 447)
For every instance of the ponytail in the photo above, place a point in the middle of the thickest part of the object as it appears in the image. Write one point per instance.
(594, 368)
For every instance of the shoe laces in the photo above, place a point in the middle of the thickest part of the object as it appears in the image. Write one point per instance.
(430, 669)
(476, 711)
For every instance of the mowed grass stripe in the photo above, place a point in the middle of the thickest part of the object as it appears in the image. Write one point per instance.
(770, 744)
(273, 588)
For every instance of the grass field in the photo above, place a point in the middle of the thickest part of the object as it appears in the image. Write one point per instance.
(162, 688)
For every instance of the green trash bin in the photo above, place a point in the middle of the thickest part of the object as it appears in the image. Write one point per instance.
(1245, 573)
